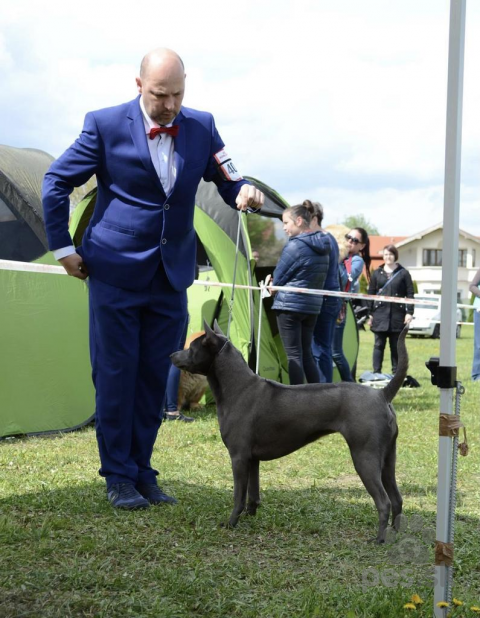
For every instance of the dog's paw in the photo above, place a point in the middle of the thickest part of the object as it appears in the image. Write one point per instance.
(252, 509)
(227, 525)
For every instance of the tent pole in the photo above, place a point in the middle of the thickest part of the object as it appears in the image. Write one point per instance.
(444, 531)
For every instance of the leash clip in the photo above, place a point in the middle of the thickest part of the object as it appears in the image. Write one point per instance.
(264, 292)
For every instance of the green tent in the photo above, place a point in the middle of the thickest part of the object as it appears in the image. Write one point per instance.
(44, 362)
(45, 381)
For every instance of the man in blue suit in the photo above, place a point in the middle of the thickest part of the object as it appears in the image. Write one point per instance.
(139, 252)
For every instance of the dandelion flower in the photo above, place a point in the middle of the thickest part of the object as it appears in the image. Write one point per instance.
(409, 606)
(443, 604)
(457, 602)
(416, 599)
(474, 608)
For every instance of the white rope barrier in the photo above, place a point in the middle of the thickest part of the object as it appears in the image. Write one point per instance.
(30, 267)
(59, 270)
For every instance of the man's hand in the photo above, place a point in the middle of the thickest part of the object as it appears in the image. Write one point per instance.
(249, 197)
(74, 266)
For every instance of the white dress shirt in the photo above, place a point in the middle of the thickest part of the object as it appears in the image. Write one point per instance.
(161, 150)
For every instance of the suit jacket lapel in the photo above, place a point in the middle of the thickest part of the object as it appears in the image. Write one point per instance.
(137, 130)
(179, 151)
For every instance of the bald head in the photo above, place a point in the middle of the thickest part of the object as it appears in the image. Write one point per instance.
(162, 84)
(159, 56)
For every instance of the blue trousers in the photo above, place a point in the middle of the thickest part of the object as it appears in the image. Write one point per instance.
(476, 346)
(323, 337)
(132, 334)
(338, 355)
(173, 381)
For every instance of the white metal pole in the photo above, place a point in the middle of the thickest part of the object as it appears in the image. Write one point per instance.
(451, 209)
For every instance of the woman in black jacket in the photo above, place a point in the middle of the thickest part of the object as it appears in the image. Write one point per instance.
(387, 320)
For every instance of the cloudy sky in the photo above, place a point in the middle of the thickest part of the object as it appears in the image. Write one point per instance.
(339, 101)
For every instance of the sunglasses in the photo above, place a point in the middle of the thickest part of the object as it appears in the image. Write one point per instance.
(353, 239)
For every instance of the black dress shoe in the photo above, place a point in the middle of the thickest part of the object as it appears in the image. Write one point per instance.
(154, 494)
(125, 496)
(178, 416)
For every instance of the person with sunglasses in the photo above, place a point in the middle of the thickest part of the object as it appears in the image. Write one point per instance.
(350, 269)
(303, 264)
(325, 325)
(387, 320)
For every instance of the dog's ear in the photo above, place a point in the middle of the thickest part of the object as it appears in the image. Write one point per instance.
(217, 329)
(209, 334)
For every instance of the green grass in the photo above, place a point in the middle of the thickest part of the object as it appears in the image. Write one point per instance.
(65, 552)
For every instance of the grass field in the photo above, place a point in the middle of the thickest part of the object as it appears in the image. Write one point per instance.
(65, 552)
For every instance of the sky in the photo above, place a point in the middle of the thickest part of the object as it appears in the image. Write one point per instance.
(338, 101)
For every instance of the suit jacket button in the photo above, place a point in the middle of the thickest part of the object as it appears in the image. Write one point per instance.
(164, 241)
(166, 207)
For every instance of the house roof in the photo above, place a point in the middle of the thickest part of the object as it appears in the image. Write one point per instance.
(429, 230)
(377, 243)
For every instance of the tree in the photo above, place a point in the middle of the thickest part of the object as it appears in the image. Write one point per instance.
(363, 283)
(262, 239)
(80, 192)
(360, 221)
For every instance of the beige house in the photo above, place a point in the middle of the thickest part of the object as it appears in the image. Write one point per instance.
(421, 254)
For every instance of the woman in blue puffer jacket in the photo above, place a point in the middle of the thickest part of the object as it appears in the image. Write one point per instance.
(303, 264)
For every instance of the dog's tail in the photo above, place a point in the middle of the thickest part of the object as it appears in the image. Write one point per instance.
(398, 379)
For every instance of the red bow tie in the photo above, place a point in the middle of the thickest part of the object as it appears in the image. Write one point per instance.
(173, 131)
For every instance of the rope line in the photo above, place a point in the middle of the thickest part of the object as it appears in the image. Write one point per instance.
(59, 270)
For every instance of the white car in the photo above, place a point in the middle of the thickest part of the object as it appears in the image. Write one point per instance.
(426, 318)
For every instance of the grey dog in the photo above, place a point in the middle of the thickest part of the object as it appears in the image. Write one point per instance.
(262, 420)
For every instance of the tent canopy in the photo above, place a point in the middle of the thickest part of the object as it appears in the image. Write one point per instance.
(22, 233)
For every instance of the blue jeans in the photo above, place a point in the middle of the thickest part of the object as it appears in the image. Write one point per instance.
(171, 395)
(173, 380)
(476, 346)
(338, 355)
(323, 337)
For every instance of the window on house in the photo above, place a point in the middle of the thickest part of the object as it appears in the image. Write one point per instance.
(432, 257)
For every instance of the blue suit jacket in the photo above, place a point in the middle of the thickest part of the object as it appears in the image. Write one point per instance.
(135, 225)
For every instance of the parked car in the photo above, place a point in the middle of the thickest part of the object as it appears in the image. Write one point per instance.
(426, 319)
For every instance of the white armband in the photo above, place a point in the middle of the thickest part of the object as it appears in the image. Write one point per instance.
(226, 166)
